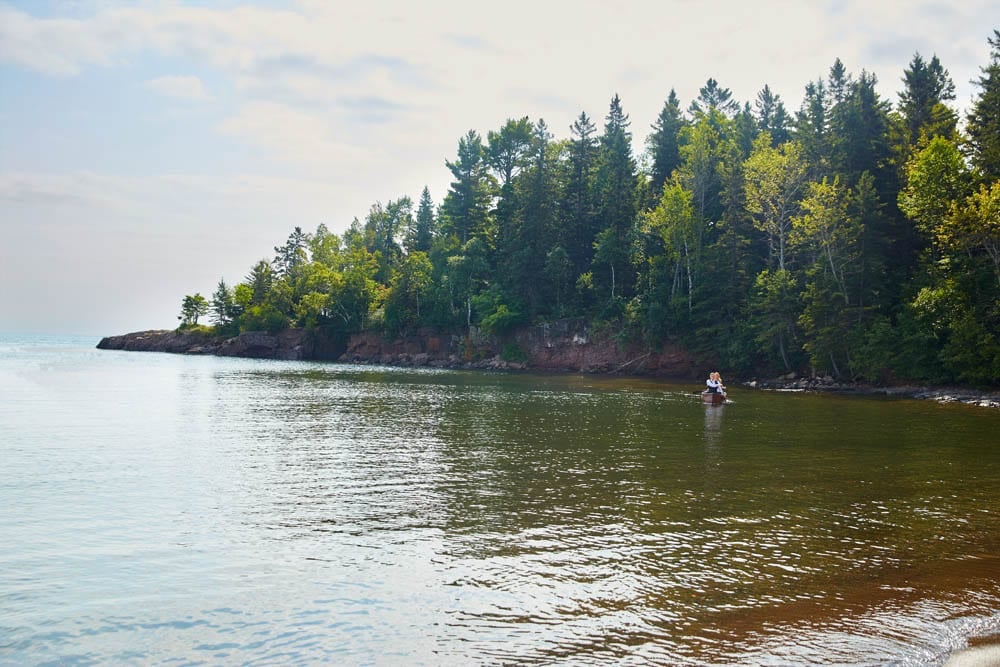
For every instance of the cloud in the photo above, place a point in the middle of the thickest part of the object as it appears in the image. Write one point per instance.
(58, 47)
(80, 190)
(295, 136)
(183, 87)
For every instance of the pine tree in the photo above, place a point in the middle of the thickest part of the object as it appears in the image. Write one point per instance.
(289, 257)
(713, 96)
(466, 207)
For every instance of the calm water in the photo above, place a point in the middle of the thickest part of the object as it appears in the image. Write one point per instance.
(167, 509)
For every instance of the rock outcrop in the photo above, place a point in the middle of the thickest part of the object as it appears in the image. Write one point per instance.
(564, 345)
(288, 344)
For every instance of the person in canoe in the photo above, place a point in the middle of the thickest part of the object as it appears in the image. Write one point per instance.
(714, 383)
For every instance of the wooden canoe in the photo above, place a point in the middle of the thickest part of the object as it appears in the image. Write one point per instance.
(713, 398)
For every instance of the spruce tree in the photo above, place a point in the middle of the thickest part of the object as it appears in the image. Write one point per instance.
(422, 235)
(927, 87)
(771, 116)
(983, 121)
(616, 183)
(579, 202)
(663, 144)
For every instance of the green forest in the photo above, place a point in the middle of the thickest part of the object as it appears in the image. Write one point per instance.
(856, 237)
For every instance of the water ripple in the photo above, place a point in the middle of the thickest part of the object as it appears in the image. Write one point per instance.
(175, 509)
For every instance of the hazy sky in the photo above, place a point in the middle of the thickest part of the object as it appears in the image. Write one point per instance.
(149, 148)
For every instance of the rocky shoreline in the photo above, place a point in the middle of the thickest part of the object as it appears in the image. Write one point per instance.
(984, 399)
(563, 346)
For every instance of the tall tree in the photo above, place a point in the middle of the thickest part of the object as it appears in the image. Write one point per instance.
(508, 153)
(812, 130)
(701, 154)
(775, 179)
(859, 124)
(744, 131)
(927, 88)
(292, 255)
(983, 121)
(674, 222)
(223, 307)
(714, 96)
(579, 214)
(829, 233)
(771, 116)
(324, 246)
(616, 183)
(536, 233)
(466, 208)
(422, 234)
(410, 287)
(192, 307)
(975, 227)
(663, 143)
(507, 150)
(840, 83)
(260, 279)
(383, 226)
(936, 180)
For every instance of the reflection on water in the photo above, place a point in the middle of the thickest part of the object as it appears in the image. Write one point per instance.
(235, 511)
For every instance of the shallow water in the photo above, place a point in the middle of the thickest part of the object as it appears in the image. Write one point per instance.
(159, 508)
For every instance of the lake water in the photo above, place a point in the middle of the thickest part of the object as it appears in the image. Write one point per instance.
(159, 509)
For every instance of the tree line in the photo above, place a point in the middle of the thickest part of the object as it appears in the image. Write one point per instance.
(851, 237)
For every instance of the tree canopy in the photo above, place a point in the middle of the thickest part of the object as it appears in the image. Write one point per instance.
(852, 238)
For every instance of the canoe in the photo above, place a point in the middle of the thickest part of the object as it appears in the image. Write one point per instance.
(713, 398)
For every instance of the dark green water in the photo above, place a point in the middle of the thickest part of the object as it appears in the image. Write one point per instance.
(163, 508)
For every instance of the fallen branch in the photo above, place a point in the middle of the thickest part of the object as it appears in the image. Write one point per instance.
(629, 363)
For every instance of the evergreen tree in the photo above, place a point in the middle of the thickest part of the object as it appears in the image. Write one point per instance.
(579, 226)
(508, 153)
(927, 87)
(744, 131)
(466, 208)
(507, 150)
(859, 130)
(422, 233)
(192, 307)
(536, 233)
(260, 280)
(839, 83)
(663, 144)
(616, 183)
(771, 116)
(223, 307)
(713, 96)
(289, 257)
(983, 121)
(812, 130)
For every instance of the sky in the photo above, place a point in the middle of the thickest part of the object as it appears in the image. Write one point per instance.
(150, 148)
